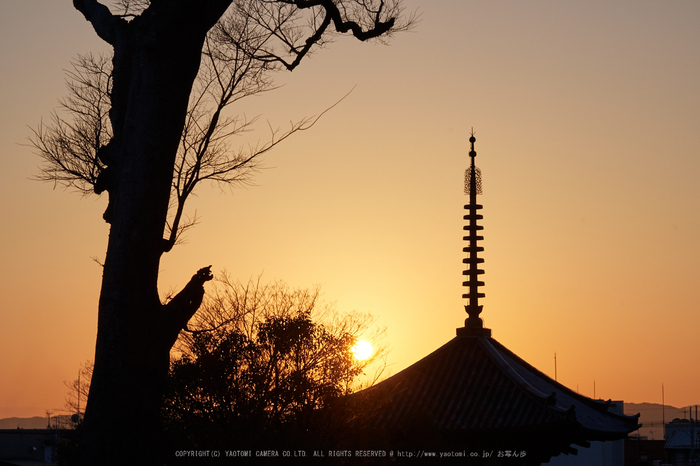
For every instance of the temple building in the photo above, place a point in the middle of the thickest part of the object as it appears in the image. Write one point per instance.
(479, 401)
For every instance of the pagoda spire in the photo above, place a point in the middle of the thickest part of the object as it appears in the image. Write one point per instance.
(473, 326)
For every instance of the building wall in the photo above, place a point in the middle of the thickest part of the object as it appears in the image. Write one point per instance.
(598, 454)
(644, 452)
(28, 444)
(610, 453)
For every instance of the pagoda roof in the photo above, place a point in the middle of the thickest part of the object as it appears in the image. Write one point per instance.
(475, 391)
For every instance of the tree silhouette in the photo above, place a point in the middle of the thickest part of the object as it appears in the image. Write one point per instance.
(261, 367)
(158, 50)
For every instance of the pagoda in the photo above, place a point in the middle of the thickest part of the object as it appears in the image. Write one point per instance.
(475, 397)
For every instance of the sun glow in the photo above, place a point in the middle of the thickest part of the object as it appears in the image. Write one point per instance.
(362, 350)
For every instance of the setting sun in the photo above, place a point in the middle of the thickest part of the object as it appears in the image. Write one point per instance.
(362, 350)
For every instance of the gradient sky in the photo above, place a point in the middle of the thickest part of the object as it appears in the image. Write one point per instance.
(587, 118)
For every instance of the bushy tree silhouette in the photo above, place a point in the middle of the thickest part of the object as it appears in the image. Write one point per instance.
(263, 370)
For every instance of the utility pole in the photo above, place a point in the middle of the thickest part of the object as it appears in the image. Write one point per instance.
(693, 459)
(78, 394)
(663, 409)
(555, 366)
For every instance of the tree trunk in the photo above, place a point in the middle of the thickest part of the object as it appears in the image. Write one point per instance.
(156, 59)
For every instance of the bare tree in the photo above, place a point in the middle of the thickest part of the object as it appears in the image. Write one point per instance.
(141, 155)
(78, 390)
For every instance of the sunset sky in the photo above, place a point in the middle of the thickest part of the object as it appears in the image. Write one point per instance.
(587, 119)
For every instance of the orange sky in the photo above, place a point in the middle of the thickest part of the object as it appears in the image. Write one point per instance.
(586, 117)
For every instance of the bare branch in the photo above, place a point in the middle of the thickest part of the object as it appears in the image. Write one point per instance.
(132, 8)
(291, 28)
(79, 389)
(70, 148)
(253, 39)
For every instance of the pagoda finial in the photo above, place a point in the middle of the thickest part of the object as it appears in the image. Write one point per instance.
(473, 326)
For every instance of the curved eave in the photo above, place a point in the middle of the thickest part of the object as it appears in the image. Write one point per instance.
(476, 385)
(594, 416)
